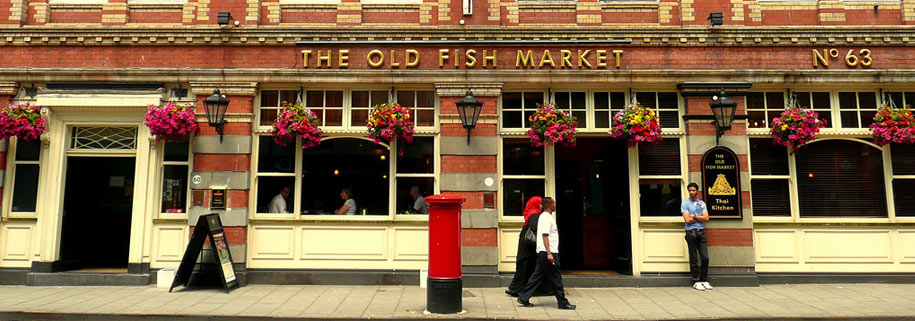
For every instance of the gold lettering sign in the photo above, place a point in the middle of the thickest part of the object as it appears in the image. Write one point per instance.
(721, 187)
(853, 58)
(470, 58)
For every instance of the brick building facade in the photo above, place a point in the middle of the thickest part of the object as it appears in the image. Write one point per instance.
(94, 66)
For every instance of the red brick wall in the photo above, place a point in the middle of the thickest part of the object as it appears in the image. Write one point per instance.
(154, 17)
(468, 164)
(729, 237)
(235, 235)
(479, 237)
(58, 16)
(411, 17)
(308, 17)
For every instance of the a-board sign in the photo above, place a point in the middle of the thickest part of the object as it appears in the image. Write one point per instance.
(721, 182)
(207, 226)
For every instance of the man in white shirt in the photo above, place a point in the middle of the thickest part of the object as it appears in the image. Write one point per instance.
(419, 203)
(278, 204)
(548, 269)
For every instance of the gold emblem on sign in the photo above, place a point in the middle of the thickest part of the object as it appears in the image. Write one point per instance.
(721, 187)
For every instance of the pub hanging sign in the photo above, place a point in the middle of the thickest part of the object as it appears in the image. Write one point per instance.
(721, 182)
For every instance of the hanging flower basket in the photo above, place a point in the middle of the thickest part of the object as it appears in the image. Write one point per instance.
(295, 121)
(171, 122)
(894, 125)
(636, 124)
(796, 127)
(21, 120)
(550, 126)
(388, 121)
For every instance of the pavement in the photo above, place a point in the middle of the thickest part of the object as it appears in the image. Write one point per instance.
(287, 302)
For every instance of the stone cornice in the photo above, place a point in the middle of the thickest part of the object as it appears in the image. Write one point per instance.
(239, 88)
(639, 36)
(245, 81)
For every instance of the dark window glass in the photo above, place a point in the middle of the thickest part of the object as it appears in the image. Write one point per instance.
(269, 188)
(756, 100)
(25, 191)
(517, 191)
(177, 151)
(270, 98)
(770, 197)
(767, 158)
(511, 119)
(27, 151)
(352, 163)
(841, 178)
(903, 159)
(660, 159)
(904, 196)
(647, 99)
(405, 202)
(659, 197)
(268, 116)
(288, 97)
(273, 158)
(417, 157)
(519, 158)
(601, 100)
(174, 188)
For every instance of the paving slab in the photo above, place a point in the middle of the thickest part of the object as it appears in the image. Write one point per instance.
(323, 302)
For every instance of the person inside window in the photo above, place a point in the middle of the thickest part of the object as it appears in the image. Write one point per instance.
(419, 203)
(349, 204)
(278, 204)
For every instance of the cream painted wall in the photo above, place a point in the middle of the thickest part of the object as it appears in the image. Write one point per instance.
(835, 249)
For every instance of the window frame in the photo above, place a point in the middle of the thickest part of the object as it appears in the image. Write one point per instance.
(792, 191)
(548, 170)
(683, 178)
(160, 186)
(338, 132)
(9, 179)
(767, 110)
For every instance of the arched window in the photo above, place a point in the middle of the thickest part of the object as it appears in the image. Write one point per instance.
(841, 178)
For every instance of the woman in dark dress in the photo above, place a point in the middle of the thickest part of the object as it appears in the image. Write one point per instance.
(526, 259)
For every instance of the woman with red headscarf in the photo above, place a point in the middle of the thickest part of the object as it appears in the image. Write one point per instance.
(526, 259)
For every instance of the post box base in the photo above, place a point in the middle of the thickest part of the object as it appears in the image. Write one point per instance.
(444, 295)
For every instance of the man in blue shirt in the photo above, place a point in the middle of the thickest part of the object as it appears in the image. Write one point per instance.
(694, 214)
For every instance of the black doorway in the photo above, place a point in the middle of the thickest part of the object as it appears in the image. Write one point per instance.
(96, 216)
(592, 205)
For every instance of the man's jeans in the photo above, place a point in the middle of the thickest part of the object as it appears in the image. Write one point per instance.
(698, 253)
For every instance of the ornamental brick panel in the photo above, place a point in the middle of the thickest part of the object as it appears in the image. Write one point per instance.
(235, 235)
(474, 199)
(306, 16)
(222, 162)
(730, 237)
(468, 164)
(81, 16)
(243, 129)
(479, 237)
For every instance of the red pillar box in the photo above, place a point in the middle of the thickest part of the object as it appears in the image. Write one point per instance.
(443, 287)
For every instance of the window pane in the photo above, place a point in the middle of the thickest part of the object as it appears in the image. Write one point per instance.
(270, 98)
(517, 191)
(345, 163)
(379, 97)
(770, 197)
(268, 116)
(417, 157)
(333, 117)
(848, 100)
(756, 101)
(289, 97)
(768, 158)
(803, 99)
(520, 158)
(360, 117)
(849, 118)
(531, 99)
(841, 178)
(904, 195)
(425, 98)
(617, 100)
(602, 119)
(425, 117)
(273, 158)
(27, 151)
(562, 99)
(867, 100)
(669, 119)
(775, 100)
(578, 100)
(270, 198)
(659, 197)
(646, 99)
(511, 119)
(601, 100)
(903, 159)
(821, 101)
(25, 191)
(406, 203)
(174, 188)
(177, 151)
(314, 98)
(668, 101)
(334, 99)
(406, 98)
(360, 99)
(757, 119)
(660, 159)
(511, 100)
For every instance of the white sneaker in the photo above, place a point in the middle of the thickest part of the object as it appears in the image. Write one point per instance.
(698, 286)
(707, 286)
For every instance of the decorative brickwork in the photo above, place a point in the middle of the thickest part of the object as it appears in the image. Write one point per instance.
(425, 12)
(253, 12)
(17, 11)
(203, 10)
(188, 11)
(687, 12)
(40, 12)
(444, 10)
(495, 10)
(665, 9)
(349, 13)
(273, 12)
(114, 13)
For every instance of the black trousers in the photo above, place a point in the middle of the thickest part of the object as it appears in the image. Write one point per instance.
(549, 273)
(526, 261)
(698, 253)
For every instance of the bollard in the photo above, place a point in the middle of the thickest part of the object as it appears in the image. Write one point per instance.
(443, 287)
